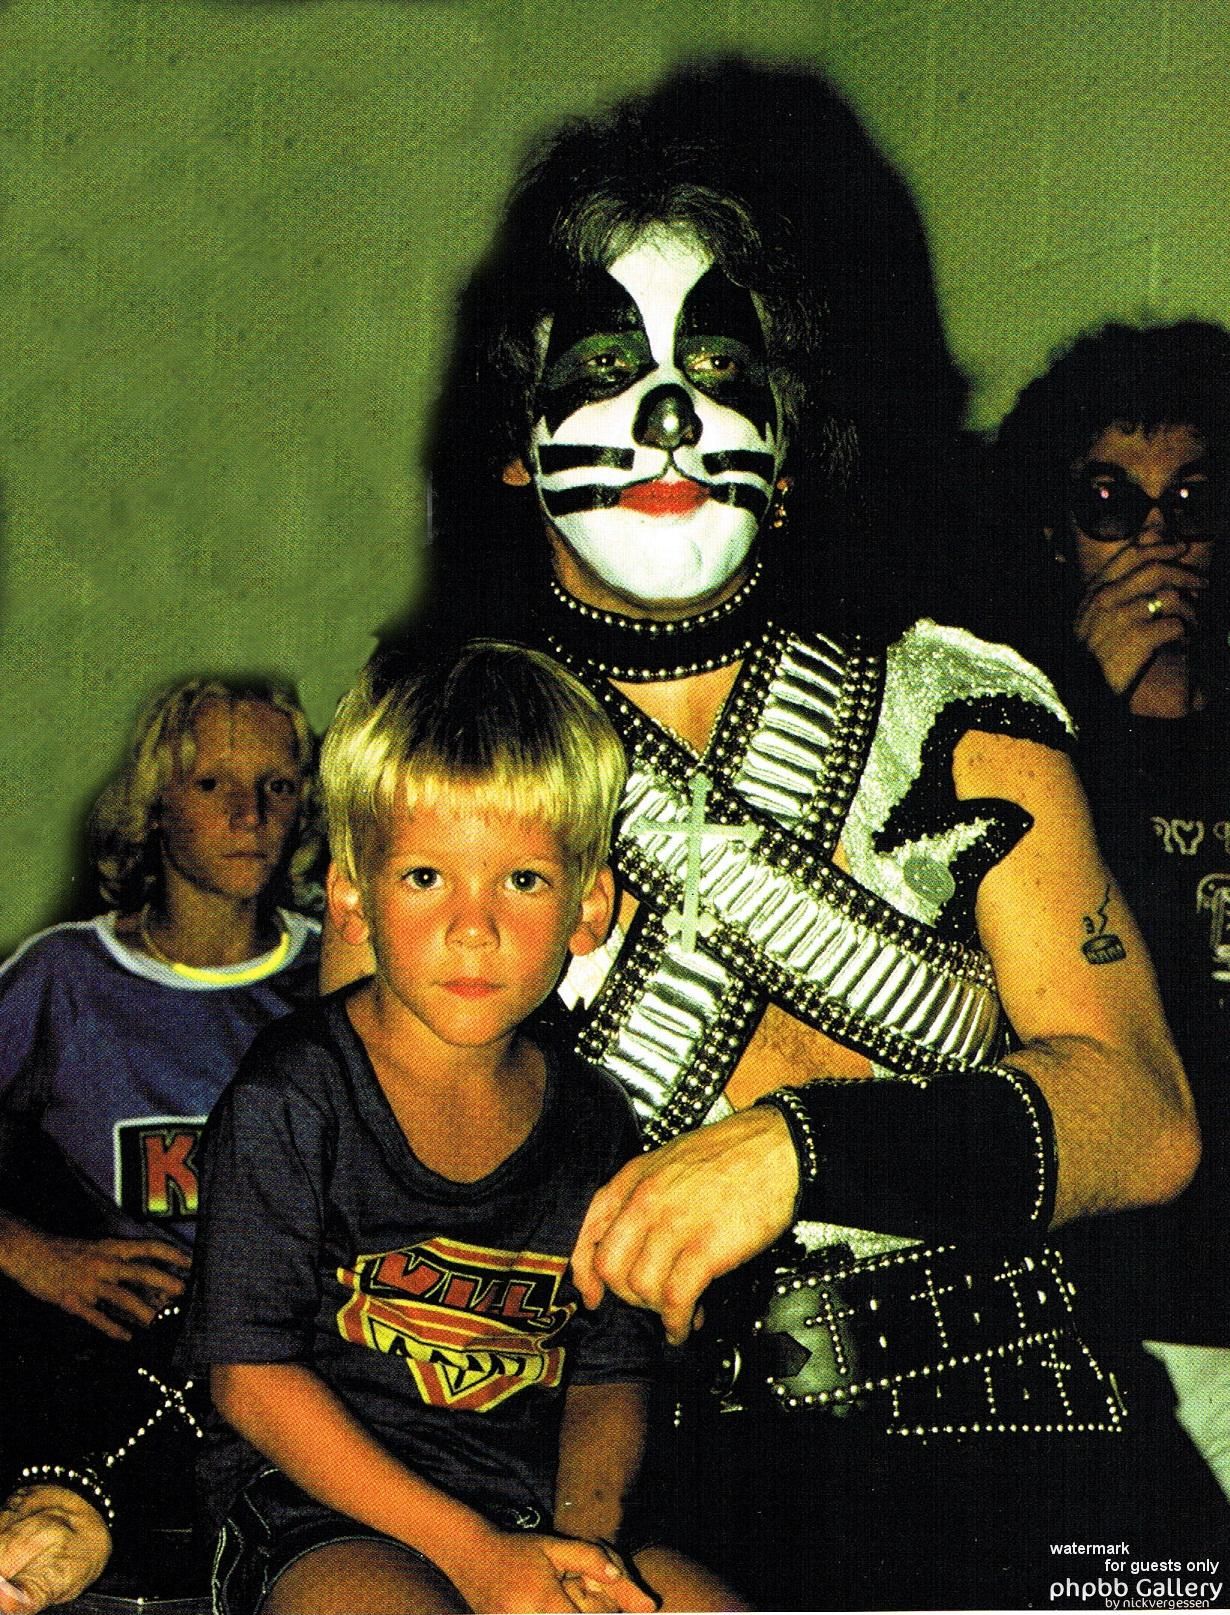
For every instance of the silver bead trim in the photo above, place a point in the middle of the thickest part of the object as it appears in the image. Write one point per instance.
(73, 1480)
(172, 1401)
(1057, 1350)
(1013, 1079)
(801, 1132)
(630, 674)
(649, 627)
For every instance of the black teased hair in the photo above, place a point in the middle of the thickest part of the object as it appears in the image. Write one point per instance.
(770, 168)
(1140, 378)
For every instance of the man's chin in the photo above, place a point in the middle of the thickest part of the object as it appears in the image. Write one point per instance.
(698, 579)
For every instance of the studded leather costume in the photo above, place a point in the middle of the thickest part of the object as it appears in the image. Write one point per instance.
(822, 744)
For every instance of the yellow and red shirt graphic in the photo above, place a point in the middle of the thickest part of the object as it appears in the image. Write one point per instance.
(473, 1324)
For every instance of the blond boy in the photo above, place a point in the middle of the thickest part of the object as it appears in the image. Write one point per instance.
(423, 1417)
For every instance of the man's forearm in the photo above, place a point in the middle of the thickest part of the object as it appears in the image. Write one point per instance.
(1121, 1141)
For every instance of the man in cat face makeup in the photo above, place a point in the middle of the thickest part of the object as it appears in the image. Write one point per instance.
(660, 436)
(855, 871)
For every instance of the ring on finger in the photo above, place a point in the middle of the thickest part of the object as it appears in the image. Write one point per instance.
(1154, 606)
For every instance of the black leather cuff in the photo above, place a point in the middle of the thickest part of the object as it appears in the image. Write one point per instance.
(963, 1155)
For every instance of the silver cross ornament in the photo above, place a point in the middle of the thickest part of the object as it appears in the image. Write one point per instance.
(691, 923)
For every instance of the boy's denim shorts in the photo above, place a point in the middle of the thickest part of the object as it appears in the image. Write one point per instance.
(272, 1524)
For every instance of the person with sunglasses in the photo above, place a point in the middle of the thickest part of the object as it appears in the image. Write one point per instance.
(1116, 456)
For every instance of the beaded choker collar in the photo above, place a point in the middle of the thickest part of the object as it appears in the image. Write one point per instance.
(640, 651)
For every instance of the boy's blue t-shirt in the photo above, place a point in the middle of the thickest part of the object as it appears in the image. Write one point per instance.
(118, 1059)
(443, 1314)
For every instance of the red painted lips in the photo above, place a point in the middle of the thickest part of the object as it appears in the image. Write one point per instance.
(664, 498)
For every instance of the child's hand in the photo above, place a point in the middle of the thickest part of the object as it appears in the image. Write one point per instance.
(606, 1595)
(524, 1572)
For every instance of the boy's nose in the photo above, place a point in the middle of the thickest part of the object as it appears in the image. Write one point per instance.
(247, 806)
(472, 925)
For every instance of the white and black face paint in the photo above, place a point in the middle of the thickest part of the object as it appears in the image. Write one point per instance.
(655, 377)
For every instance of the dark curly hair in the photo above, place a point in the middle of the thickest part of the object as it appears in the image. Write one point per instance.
(1139, 378)
(772, 171)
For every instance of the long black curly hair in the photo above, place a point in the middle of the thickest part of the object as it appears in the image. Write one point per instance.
(1139, 378)
(771, 169)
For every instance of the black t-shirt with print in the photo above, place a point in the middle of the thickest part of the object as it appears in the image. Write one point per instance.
(1160, 794)
(441, 1313)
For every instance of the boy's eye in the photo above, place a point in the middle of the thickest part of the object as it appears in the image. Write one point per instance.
(527, 880)
(206, 782)
(282, 787)
(423, 879)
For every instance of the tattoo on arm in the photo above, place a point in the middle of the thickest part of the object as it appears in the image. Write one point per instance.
(1101, 947)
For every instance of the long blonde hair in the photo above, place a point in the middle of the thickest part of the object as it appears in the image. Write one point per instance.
(124, 845)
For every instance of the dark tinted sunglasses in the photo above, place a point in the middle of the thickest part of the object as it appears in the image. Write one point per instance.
(1108, 505)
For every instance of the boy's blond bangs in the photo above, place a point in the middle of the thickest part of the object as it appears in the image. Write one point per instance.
(502, 727)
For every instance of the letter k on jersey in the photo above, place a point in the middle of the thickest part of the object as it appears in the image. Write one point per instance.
(155, 1166)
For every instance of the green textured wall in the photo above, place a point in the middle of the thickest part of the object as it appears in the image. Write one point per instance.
(231, 233)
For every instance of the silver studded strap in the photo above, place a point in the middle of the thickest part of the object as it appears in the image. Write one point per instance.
(937, 1342)
(777, 919)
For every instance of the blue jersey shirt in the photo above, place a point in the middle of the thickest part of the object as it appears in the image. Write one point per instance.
(119, 1059)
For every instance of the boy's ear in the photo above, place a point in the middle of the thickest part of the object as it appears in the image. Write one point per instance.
(345, 903)
(514, 474)
(597, 912)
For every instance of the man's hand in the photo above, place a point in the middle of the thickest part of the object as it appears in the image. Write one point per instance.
(673, 1220)
(53, 1544)
(113, 1284)
(523, 1571)
(1114, 622)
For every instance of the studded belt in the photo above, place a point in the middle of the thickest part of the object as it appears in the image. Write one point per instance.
(930, 1341)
